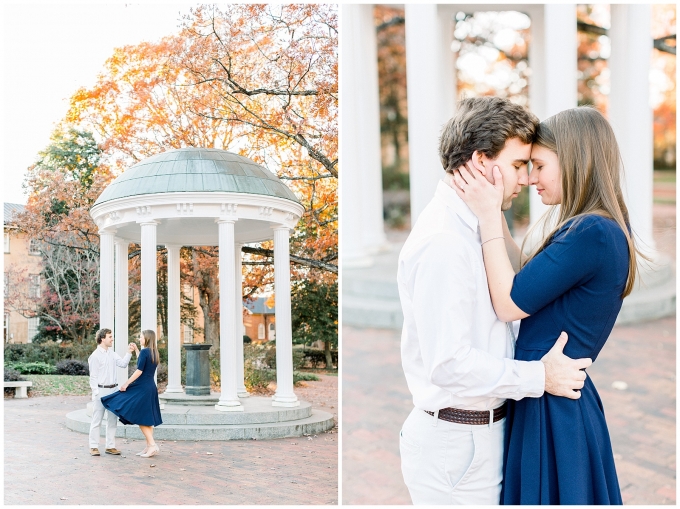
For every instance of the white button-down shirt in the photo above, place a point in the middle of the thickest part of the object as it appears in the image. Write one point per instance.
(103, 364)
(454, 350)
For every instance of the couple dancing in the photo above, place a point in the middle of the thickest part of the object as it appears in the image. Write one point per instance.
(499, 419)
(137, 400)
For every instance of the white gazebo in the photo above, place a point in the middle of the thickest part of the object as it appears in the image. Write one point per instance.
(197, 197)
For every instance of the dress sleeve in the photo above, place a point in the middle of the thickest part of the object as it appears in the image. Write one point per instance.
(571, 259)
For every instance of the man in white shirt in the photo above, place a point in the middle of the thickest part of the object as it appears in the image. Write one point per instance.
(104, 380)
(457, 356)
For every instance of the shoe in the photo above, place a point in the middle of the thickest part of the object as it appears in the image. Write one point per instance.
(112, 451)
(151, 452)
(142, 452)
(94, 452)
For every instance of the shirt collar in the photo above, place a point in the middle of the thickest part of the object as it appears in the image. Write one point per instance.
(102, 349)
(449, 196)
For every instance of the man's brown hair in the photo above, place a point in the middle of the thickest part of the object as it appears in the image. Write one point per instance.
(483, 124)
(101, 334)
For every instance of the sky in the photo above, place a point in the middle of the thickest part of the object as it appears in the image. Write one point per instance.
(48, 52)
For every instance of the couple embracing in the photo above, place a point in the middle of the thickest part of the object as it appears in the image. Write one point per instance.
(499, 417)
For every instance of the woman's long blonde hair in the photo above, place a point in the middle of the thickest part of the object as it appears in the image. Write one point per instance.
(150, 343)
(591, 170)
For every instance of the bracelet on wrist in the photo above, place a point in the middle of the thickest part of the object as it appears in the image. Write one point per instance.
(492, 238)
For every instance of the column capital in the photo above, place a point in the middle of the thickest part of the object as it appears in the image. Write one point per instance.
(278, 227)
(145, 222)
(221, 220)
(173, 246)
(107, 231)
(119, 241)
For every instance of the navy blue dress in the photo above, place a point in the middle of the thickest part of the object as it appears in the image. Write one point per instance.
(558, 450)
(138, 404)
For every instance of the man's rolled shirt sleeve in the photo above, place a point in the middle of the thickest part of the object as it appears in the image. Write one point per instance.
(445, 329)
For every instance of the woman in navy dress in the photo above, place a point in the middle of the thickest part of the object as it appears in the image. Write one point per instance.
(137, 400)
(558, 450)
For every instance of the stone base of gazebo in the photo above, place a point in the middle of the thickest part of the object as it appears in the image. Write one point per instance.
(259, 420)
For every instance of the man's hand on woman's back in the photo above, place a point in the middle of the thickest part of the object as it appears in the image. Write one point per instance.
(563, 375)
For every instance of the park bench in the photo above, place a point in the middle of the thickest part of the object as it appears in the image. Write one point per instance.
(21, 388)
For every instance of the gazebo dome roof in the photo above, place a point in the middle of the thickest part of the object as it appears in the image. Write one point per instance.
(196, 170)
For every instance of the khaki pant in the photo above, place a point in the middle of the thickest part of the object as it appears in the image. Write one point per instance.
(98, 411)
(448, 463)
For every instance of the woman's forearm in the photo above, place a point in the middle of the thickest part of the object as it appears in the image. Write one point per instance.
(499, 269)
(513, 250)
(134, 377)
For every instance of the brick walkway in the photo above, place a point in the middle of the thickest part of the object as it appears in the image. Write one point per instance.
(641, 418)
(46, 463)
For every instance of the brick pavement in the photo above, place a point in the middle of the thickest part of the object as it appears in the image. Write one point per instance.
(641, 418)
(46, 463)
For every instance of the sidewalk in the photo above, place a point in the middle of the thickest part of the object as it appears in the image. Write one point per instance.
(641, 418)
(46, 463)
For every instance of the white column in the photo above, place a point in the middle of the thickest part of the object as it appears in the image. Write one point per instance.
(149, 312)
(229, 401)
(106, 271)
(361, 228)
(121, 324)
(174, 295)
(431, 93)
(284, 335)
(238, 321)
(553, 62)
(629, 111)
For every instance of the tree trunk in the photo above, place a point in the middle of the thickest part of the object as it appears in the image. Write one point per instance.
(329, 357)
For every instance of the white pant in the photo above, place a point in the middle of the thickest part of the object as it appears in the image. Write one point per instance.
(448, 463)
(97, 416)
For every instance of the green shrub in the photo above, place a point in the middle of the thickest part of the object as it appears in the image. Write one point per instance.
(300, 376)
(298, 358)
(72, 367)
(49, 353)
(32, 368)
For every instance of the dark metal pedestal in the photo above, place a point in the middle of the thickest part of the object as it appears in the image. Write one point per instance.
(198, 369)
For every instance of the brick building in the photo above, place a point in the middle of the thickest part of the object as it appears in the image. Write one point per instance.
(21, 254)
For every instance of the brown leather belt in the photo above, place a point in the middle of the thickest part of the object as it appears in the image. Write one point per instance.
(107, 386)
(477, 417)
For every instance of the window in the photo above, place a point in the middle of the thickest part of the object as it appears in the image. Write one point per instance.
(34, 247)
(32, 328)
(5, 328)
(6, 242)
(188, 333)
(34, 286)
(260, 331)
(272, 332)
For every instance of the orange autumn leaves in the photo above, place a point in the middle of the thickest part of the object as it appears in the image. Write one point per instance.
(259, 80)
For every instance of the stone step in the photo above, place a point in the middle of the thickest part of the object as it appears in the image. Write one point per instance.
(318, 422)
(371, 312)
(261, 413)
(371, 296)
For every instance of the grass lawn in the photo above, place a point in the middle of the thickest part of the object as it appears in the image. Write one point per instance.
(59, 385)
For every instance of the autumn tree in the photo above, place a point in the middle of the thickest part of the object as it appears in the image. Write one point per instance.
(259, 80)
(63, 184)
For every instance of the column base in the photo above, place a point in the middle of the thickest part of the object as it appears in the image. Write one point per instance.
(174, 389)
(285, 402)
(229, 407)
(243, 394)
